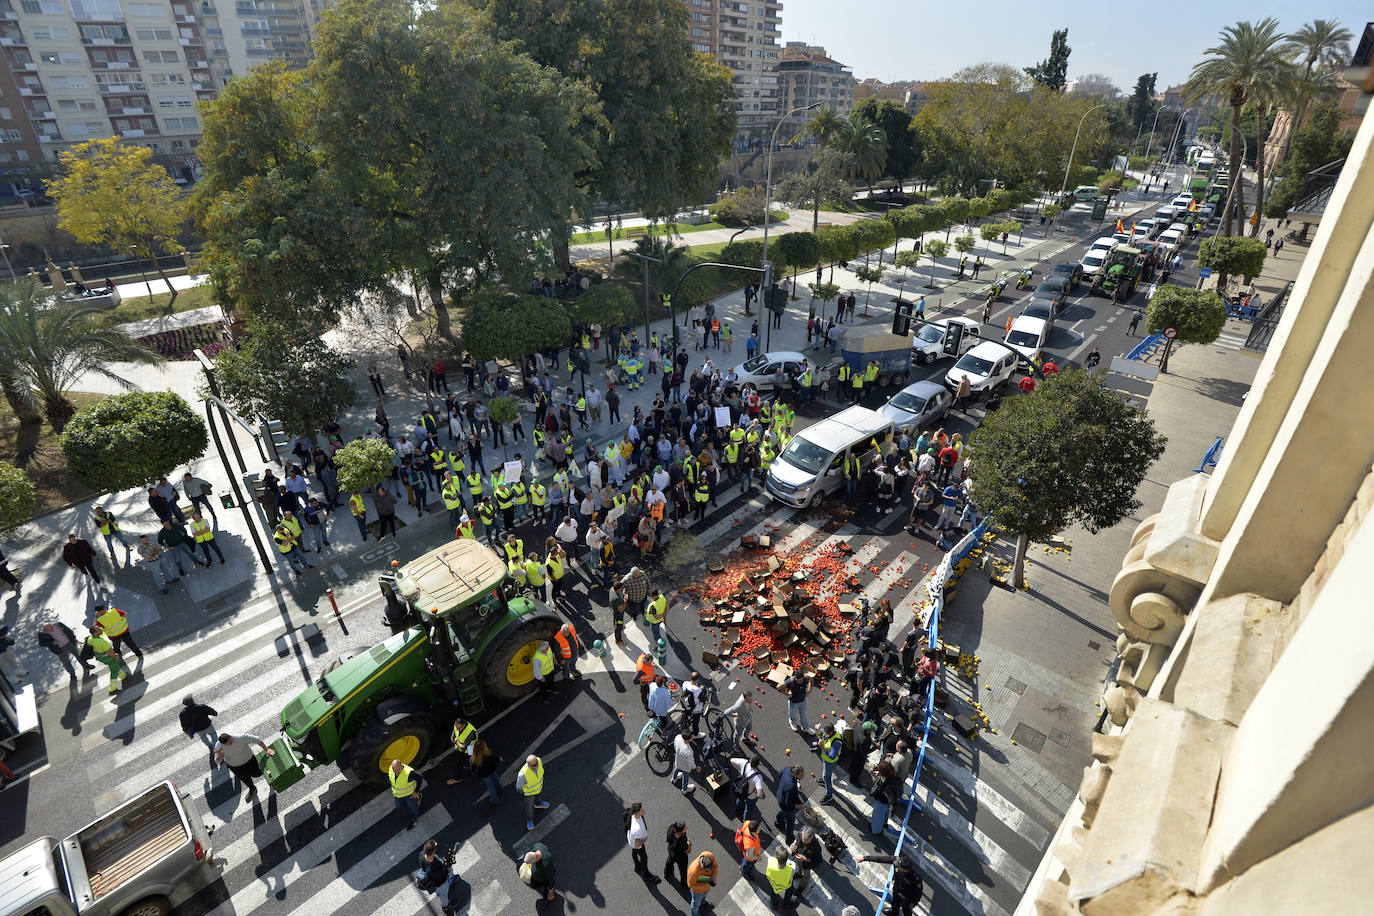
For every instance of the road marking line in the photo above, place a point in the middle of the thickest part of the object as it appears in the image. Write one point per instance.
(542, 829)
(1009, 813)
(988, 850)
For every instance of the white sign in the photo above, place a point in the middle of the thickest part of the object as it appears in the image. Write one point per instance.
(723, 417)
(513, 470)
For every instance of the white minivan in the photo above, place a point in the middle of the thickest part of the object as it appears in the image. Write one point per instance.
(1027, 337)
(928, 343)
(812, 464)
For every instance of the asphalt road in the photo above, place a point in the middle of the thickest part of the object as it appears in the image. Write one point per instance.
(327, 845)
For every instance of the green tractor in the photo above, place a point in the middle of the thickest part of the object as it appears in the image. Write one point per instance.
(462, 639)
(1120, 273)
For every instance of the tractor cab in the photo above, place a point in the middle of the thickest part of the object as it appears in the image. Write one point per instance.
(1121, 272)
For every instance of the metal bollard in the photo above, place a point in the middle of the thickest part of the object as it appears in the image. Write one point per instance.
(332, 603)
(599, 649)
(661, 650)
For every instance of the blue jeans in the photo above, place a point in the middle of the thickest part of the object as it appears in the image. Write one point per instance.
(294, 560)
(657, 630)
(796, 714)
(827, 775)
(455, 515)
(493, 783)
(362, 525)
(110, 539)
(746, 479)
(697, 900)
(746, 867)
(851, 487)
(748, 809)
(879, 822)
(320, 540)
(168, 560)
(409, 803)
(186, 547)
(209, 736)
(607, 573)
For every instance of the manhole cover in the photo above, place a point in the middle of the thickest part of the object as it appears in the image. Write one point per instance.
(1028, 737)
(1094, 645)
(1061, 738)
(1018, 686)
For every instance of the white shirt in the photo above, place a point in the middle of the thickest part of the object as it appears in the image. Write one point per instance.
(593, 397)
(638, 834)
(567, 531)
(662, 479)
(595, 537)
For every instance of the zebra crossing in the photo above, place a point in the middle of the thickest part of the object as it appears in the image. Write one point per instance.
(329, 846)
(1233, 335)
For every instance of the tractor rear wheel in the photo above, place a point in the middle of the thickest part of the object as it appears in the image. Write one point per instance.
(377, 744)
(506, 665)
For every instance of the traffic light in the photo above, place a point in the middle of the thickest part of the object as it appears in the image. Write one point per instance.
(226, 500)
(273, 436)
(579, 360)
(954, 333)
(776, 299)
(901, 318)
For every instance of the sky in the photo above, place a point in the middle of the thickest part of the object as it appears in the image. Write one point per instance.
(904, 40)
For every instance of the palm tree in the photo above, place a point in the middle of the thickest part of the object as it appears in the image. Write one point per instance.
(825, 125)
(1321, 41)
(1246, 57)
(1268, 92)
(866, 145)
(46, 344)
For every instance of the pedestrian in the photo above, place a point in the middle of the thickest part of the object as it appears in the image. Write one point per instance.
(740, 714)
(104, 652)
(701, 877)
(288, 543)
(907, 886)
(439, 375)
(59, 639)
(405, 790)
(78, 554)
(750, 847)
(486, 765)
(797, 688)
(161, 508)
(963, 392)
(315, 516)
(434, 868)
(109, 529)
(748, 786)
(158, 561)
(113, 624)
(195, 721)
(780, 872)
(545, 670)
(1093, 359)
(538, 870)
(236, 752)
(7, 575)
(569, 648)
(464, 738)
(637, 835)
(679, 849)
(790, 799)
(884, 793)
(174, 539)
(1278, 246)
(831, 745)
(808, 855)
(199, 492)
(205, 537)
(374, 377)
(684, 763)
(530, 782)
(1135, 321)
(386, 511)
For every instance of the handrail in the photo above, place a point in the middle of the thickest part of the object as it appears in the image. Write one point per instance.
(1140, 350)
(1209, 458)
(935, 587)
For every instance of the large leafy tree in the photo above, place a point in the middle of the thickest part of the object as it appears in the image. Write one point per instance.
(282, 239)
(1198, 314)
(281, 370)
(826, 125)
(1320, 44)
(17, 497)
(899, 127)
(131, 440)
(1318, 143)
(866, 147)
(1053, 72)
(1102, 449)
(1142, 103)
(463, 151)
(47, 344)
(667, 108)
(1242, 61)
(112, 193)
(500, 325)
(364, 463)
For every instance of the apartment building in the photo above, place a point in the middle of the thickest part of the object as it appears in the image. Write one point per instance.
(744, 37)
(807, 75)
(80, 69)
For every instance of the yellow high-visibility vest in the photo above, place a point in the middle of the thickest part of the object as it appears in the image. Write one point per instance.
(534, 778)
(403, 784)
(201, 530)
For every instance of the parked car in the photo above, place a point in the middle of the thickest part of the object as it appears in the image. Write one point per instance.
(1171, 239)
(1040, 308)
(1092, 261)
(762, 369)
(928, 344)
(1028, 337)
(987, 367)
(1055, 289)
(1086, 192)
(1069, 271)
(917, 406)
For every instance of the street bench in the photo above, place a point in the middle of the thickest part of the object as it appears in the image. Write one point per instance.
(636, 232)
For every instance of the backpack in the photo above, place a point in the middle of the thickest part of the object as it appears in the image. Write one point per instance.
(739, 840)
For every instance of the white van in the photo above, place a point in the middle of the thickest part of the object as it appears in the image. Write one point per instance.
(812, 465)
(1027, 337)
(928, 343)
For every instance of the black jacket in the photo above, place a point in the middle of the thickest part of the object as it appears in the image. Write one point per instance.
(47, 642)
(196, 718)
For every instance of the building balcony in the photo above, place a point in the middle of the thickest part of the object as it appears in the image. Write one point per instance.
(51, 138)
(121, 88)
(131, 111)
(42, 115)
(209, 9)
(139, 132)
(106, 42)
(32, 90)
(12, 40)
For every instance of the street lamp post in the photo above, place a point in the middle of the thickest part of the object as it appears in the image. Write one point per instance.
(768, 183)
(1230, 193)
(1073, 149)
(1173, 140)
(646, 259)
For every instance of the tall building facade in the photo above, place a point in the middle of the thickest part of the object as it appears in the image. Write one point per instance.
(744, 37)
(82, 69)
(809, 76)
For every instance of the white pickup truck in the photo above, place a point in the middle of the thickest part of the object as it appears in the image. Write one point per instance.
(127, 863)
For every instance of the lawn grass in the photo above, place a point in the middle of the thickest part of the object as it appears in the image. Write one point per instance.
(141, 307)
(36, 451)
(620, 235)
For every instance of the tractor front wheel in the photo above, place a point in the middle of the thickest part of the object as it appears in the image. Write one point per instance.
(377, 744)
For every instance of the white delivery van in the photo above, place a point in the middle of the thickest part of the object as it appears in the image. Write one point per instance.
(812, 464)
(1027, 337)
